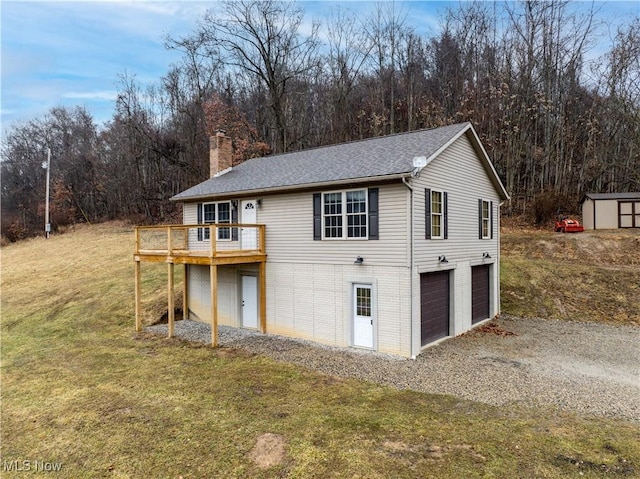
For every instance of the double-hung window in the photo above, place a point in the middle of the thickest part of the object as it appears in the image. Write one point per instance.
(332, 215)
(344, 214)
(216, 213)
(356, 213)
(436, 224)
(437, 211)
(349, 214)
(485, 219)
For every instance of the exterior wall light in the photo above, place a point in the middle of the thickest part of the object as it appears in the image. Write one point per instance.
(443, 259)
(359, 260)
(486, 255)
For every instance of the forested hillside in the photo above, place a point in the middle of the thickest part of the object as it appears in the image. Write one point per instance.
(558, 116)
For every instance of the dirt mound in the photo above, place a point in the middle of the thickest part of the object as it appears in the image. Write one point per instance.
(607, 247)
(268, 450)
(590, 276)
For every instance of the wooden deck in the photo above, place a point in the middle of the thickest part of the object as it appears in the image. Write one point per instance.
(191, 244)
(212, 245)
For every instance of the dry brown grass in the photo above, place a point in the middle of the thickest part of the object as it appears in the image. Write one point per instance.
(587, 276)
(80, 388)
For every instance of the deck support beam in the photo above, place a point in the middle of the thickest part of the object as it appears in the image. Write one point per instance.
(179, 253)
(138, 309)
(263, 296)
(171, 308)
(214, 304)
(185, 293)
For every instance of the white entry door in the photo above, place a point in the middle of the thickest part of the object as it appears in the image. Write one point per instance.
(249, 236)
(249, 305)
(362, 316)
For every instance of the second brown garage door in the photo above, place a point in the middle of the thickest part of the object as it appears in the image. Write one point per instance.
(479, 293)
(434, 306)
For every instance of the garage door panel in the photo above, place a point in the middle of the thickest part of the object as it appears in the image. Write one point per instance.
(434, 306)
(480, 289)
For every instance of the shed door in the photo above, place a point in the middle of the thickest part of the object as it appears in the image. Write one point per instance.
(629, 214)
(434, 306)
(480, 293)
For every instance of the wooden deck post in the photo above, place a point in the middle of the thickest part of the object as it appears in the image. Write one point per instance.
(263, 296)
(136, 274)
(170, 301)
(185, 293)
(213, 232)
(137, 236)
(214, 304)
(262, 243)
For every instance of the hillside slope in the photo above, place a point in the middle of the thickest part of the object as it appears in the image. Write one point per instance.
(590, 276)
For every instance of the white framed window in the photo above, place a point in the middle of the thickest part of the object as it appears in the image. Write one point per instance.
(344, 214)
(486, 220)
(437, 214)
(217, 213)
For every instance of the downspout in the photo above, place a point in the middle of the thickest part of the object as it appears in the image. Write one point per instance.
(499, 261)
(406, 183)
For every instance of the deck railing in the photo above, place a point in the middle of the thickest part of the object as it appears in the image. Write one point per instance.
(210, 240)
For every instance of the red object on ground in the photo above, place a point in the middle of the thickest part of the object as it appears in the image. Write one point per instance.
(568, 225)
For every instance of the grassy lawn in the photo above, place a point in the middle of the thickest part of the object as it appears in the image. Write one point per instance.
(81, 389)
(590, 276)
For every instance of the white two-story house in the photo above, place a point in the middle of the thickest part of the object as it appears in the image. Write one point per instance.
(388, 244)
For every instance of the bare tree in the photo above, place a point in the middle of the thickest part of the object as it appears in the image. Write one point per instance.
(348, 51)
(261, 40)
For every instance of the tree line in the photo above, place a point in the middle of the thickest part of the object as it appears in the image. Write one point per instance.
(555, 124)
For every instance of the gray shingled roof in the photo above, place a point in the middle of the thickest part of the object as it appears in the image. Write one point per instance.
(611, 196)
(376, 157)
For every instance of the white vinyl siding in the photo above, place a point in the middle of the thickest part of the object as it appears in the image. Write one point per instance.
(326, 315)
(228, 299)
(289, 231)
(459, 172)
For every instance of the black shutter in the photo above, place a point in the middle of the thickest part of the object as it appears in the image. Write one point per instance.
(234, 220)
(480, 219)
(373, 214)
(200, 231)
(427, 213)
(445, 214)
(491, 218)
(317, 216)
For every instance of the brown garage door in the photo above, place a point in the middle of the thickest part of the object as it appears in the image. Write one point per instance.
(434, 306)
(479, 293)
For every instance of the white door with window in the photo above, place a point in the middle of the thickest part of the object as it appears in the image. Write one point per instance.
(249, 295)
(362, 316)
(249, 236)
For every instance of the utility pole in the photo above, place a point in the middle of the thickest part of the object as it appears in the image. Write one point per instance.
(47, 225)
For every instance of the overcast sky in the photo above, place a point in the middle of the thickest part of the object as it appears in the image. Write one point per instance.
(72, 53)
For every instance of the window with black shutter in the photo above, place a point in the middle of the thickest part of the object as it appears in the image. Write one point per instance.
(350, 214)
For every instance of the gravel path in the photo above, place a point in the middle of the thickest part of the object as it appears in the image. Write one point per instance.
(589, 368)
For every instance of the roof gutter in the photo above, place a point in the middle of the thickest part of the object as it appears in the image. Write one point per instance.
(304, 186)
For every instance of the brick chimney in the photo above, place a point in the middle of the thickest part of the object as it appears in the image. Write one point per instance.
(220, 154)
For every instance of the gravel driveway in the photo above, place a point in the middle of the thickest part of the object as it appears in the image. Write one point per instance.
(588, 368)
